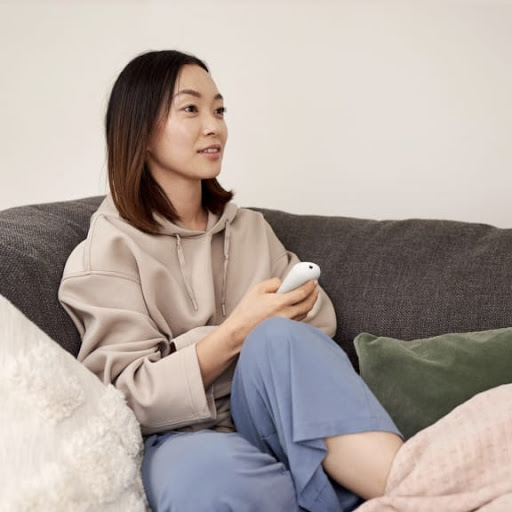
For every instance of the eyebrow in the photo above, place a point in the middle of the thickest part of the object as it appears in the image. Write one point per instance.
(196, 94)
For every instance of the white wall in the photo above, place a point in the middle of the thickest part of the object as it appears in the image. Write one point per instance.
(373, 109)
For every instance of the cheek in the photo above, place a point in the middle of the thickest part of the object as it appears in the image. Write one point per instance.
(178, 141)
(180, 133)
(224, 132)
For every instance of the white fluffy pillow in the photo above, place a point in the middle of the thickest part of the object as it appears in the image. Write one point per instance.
(67, 441)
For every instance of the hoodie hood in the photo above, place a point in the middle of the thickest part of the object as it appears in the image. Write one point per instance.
(215, 224)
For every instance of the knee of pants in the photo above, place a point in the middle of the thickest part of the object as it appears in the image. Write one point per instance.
(270, 335)
(275, 334)
(277, 341)
(221, 472)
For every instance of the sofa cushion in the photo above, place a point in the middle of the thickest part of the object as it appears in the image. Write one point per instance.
(68, 442)
(420, 381)
(35, 242)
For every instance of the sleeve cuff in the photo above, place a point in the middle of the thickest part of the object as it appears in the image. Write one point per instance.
(202, 402)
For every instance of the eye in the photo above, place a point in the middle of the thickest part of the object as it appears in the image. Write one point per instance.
(220, 111)
(190, 109)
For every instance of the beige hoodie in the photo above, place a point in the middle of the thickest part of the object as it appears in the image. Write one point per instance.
(142, 301)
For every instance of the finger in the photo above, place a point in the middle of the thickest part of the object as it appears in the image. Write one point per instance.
(301, 293)
(304, 307)
(311, 295)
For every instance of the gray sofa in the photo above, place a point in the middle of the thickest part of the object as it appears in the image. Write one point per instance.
(405, 279)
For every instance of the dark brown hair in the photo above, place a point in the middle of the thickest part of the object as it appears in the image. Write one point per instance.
(143, 90)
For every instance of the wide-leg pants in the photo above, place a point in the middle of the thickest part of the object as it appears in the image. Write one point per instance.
(293, 387)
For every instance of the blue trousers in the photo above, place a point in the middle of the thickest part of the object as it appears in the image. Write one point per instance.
(293, 387)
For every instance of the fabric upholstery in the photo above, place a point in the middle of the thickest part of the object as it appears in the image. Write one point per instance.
(420, 381)
(406, 279)
(35, 242)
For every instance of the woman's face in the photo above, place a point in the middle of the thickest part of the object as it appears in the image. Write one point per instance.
(189, 143)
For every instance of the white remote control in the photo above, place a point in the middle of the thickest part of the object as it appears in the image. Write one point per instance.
(298, 275)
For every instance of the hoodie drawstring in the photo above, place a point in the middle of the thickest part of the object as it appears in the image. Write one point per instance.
(181, 259)
(227, 242)
(183, 270)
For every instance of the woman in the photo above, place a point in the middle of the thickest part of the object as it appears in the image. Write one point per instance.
(246, 402)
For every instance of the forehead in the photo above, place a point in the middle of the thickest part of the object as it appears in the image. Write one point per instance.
(195, 78)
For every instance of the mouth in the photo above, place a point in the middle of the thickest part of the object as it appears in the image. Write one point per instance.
(214, 149)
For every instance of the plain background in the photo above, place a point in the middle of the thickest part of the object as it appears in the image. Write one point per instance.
(373, 109)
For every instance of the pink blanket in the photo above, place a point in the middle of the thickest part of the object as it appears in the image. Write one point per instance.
(462, 463)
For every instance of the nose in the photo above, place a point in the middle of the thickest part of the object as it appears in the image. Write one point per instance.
(212, 125)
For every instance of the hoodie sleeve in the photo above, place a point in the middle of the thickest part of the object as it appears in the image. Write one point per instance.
(322, 316)
(122, 345)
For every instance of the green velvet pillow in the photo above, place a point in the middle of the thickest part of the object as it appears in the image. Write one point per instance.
(420, 381)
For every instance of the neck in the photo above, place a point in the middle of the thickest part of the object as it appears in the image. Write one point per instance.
(195, 219)
(186, 197)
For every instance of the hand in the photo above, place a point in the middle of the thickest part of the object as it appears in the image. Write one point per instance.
(262, 302)
(218, 350)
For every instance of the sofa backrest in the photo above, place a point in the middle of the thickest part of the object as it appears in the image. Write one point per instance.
(406, 279)
(35, 242)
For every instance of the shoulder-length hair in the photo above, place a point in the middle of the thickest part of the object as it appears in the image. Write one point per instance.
(141, 94)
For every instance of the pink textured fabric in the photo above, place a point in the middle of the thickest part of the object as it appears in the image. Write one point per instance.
(462, 463)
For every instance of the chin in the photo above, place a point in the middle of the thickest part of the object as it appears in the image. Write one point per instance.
(210, 173)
